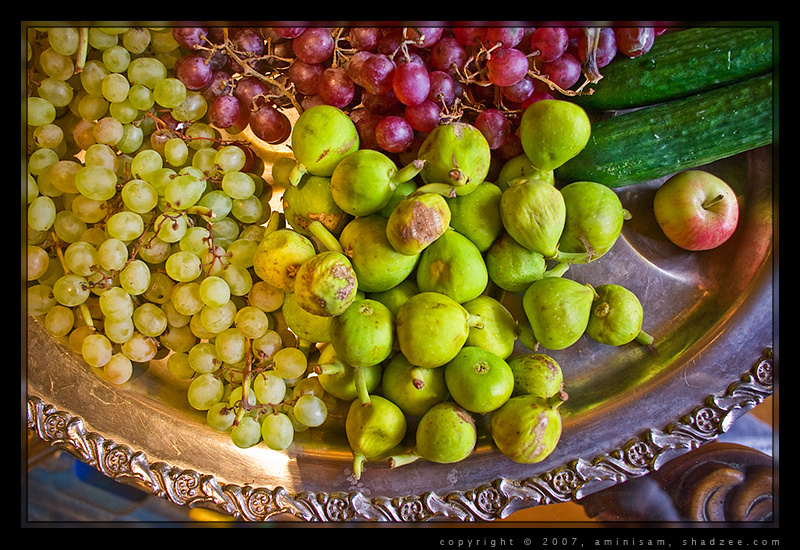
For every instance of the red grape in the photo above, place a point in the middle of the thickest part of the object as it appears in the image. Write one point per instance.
(372, 71)
(225, 111)
(314, 45)
(423, 117)
(336, 88)
(394, 134)
(247, 91)
(270, 124)
(564, 71)
(305, 76)
(606, 47)
(549, 42)
(411, 83)
(430, 36)
(442, 88)
(506, 67)
(365, 126)
(520, 91)
(537, 96)
(469, 36)
(447, 53)
(507, 37)
(220, 84)
(365, 39)
(494, 126)
(190, 37)
(193, 71)
(288, 32)
(634, 41)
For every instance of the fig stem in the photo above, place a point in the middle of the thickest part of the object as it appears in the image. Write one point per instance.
(405, 458)
(358, 464)
(474, 321)
(557, 270)
(327, 238)
(361, 386)
(644, 338)
(416, 376)
(334, 367)
(408, 172)
(444, 189)
(525, 335)
(296, 173)
(571, 257)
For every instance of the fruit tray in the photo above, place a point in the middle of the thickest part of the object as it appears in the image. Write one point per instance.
(630, 408)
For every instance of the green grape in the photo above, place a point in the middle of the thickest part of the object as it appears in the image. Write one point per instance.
(154, 250)
(217, 319)
(215, 261)
(226, 229)
(184, 191)
(100, 154)
(41, 213)
(136, 39)
(235, 398)
(162, 40)
(116, 304)
(310, 410)
(140, 348)
(68, 227)
(147, 71)
(269, 388)
(40, 111)
(203, 358)
(174, 317)
(160, 288)
(126, 113)
(62, 175)
(56, 65)
(231, 345)
(277, 431)
(80, 257)
(89, 210)
(160, 178)
(139, 196)
(238, 185)
(242, 251)
(251, 322)
(149, 319)
(92, 76)
(205, 391)
(197, 328)
(169, 92)
(310, 385)
(203, 159)
(125, 226)
(57, 92)
(118, 369)
(132, 138)
(145, 163)
(176, 151)
(193, 107)
(48, 136)
(290, 363)
(59, 321)
(71, 290)
(214, 291)
(178, 339)
(186, 298)
(230, 158)
(170, 228)
(220, 417)
(116, 59)
(40, 299)
(246, 433)
(92, 108)
(112, 254)
(179, 367)
(135, 278)
(96, 182)
(141, 97)
(264, 347)
(96, 350)
(265, 296)
(38, 262)
(119, 331)
(183, 266)
(115, 87)
(238, 278)
(247, 210)
(201, 135)
(41, 160)
(108, 131)
(100, 40)
(64, 40)
(195, 240)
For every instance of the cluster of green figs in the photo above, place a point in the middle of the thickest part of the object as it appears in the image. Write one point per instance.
(387, 267)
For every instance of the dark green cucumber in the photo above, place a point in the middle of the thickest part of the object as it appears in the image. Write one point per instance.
(682, 63)
(651, 142)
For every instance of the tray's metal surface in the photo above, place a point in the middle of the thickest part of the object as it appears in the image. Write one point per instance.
(630, 408)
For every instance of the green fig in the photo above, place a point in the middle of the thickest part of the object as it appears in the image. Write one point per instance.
(499, 328)
(536, 374)
(553, 131)
(281, 169)
(456, 154)
(558, 310)
(364, 182)
(432, 328)
(417, 221)
(321, 137)
(344, 381)
(616, 317)
(445, 434)
(279, 255)
(478, 380)
(373, 430)
(452, 265)
(413, 389)
(326, 284)
(520, 166)
(527, 428)
(397, 295)
(378, 266)
(364, 334)
(513, 267)
(403, 190)
(534, 214)
(477, 215)
(593, 223)
(311, 200)
(307, 326)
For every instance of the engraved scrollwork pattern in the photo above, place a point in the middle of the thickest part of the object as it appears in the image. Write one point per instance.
(496, 500)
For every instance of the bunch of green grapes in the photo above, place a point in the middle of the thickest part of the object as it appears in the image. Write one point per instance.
(142, 226)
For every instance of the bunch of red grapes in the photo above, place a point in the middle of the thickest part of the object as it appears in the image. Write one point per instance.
(397, 83)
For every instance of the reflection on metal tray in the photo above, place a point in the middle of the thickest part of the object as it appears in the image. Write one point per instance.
(630, 408)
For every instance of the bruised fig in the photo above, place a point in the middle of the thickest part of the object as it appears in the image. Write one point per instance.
(558, 310)
(616, 317)
(326, 284)
(520, 166)
(413, 389)
(534, 214)
(377, 264)
(373, 430)
(452, 265)
(311, 200)
(432, 328)
(344, 381)
(364, 334)
(553, 131)
(527, 428)
(478, 380)
(513, 267)
(417, 221)
(364, 182)
(593, 223)
(307, 326)
(499, 328)
(445, 434)
(477, 215)
(321, 137)
(536, 374)
(456, 154)
(279, 255)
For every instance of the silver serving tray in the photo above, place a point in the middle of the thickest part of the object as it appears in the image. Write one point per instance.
(630, 408)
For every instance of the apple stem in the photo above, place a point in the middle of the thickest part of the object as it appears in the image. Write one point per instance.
(711, 202)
